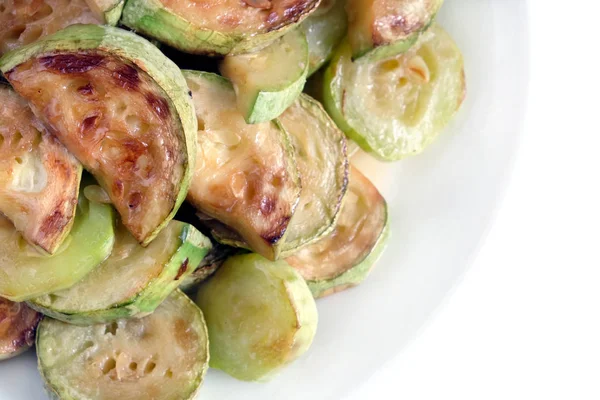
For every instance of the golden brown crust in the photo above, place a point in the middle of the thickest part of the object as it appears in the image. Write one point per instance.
(18, 324)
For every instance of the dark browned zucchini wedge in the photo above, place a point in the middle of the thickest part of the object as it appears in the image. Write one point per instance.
(39, 179)
(17, 328)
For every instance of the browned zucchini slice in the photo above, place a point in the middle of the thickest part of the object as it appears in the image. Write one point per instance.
(17, 328)
(39, 179)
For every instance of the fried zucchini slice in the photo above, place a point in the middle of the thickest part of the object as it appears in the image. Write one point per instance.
(397, 107)
(266, 82)
(379, 29)
(161, 356)
(324, 30)
(320, 149)
(260, 315)
(39, 179)
(216, 26)
(25, 21)
(18, 324)
(25, 273)
(120, 107)
(345, 257)
(246, 176)
(109, 11)
(215, 257)
(133, 281)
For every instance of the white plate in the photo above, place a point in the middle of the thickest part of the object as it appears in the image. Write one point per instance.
(441, 204)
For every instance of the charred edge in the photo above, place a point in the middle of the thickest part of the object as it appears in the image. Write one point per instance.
(159, 105)
(54, 222)
(88, 123)
(290, 15)
(182, 269)
(72, 63)
(277, 232)
(86, 90)
(134, 200)
(127, 77)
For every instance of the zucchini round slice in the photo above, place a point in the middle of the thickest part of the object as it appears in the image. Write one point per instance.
(216, 26)
(321, 157)
(380, 29)
(133, 281)
(108, 11)
(324, 29)
(161, 356)
(24, 22)
(260, 316)
(246, 176)
(345, 257)
(266, 82)
(25, 273)
(120, 107)
(395, 108)
(39, 179)
(17, 328)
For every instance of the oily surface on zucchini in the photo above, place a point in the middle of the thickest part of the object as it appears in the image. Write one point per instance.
(39, 179)
(245, 174)
(345, 257)
(161, 356)
(216, 26)
(18, 324)
(320, 150)
(122, 108)
(267, 81)
(260, 316)
(133, 280)
(25, 273)
(24, 21)
(396, 107)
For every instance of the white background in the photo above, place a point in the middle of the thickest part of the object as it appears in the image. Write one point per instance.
(525, 321)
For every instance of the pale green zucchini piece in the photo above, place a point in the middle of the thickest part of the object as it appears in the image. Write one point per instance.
(109, 11)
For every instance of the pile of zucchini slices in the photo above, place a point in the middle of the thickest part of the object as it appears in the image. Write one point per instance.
(158, 151)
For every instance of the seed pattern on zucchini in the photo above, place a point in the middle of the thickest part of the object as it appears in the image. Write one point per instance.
(216, 26)
(245, 175)
(17, 328)
(267, 81)
(397, 107)
(122, 108)
(161, 356)
(380, 29)
(25, 273)
(25, 21)
(345, 257)
(39, 179)
(133, 281)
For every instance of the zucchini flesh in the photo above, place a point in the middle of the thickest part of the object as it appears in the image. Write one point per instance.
(17, 328)
(108, 11)
(245, 176)
(39, 179)
(320, 149)
(133, 281)
(266, 82)
(25, 21)
(25, 273)
(396, 107)
(260, 316)
(161, 356)
(345, 257)
(121, 108)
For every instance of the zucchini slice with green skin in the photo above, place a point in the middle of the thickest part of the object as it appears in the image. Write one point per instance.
(39, 179)
(324, 30)
(109, 11)
(246, 176)
(266, 82)
(345, 257)
(397, 107)
(133, 280)
(122, 109)
(216, 26)
(379, 29)
(208, 266)
(323, 164)
(24, 22)
(25, 273)
(260, 315)
(18, 324)
(161, 356)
